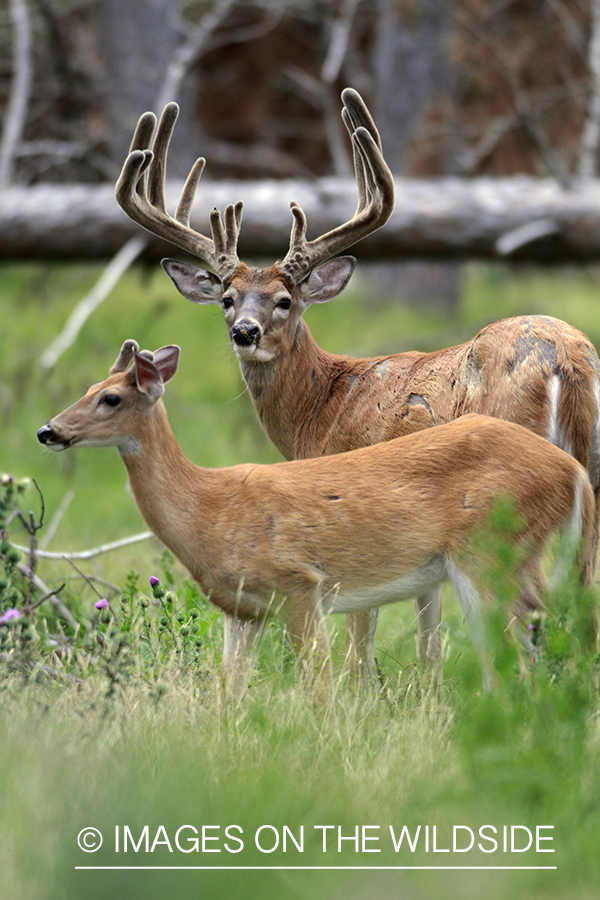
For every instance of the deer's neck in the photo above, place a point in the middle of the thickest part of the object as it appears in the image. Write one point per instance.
(175, 497)
(285, 391)
(313, 403)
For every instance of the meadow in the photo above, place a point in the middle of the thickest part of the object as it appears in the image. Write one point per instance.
(120, 724)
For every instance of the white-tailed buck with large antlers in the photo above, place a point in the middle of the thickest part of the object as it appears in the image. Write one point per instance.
(334, 533)
(535, 371)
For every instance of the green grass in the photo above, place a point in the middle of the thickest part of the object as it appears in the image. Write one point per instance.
(146, 739)
(124, 723)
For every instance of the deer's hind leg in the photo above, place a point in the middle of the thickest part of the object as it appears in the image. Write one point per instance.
(428, 609)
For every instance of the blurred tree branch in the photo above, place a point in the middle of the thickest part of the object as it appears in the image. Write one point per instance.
(14, 122)
(522, 106)
(320, 91)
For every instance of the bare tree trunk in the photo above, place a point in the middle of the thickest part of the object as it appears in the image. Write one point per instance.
(140, 40)
(590, 141)
(413, 78)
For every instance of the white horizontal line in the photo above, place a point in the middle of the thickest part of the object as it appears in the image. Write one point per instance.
(322, 868)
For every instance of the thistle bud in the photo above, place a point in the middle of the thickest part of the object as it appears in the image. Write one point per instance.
(8, 615)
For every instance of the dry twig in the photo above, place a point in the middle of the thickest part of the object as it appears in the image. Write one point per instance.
(95, 551)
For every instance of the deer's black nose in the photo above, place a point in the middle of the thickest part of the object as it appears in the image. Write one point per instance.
(245, 333)
(46, 434)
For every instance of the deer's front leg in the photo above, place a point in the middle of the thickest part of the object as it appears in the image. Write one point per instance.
(360, 645)
(306, 626)
(241, 637)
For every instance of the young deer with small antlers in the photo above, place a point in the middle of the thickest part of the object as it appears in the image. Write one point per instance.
(535, 371)
(333, 533)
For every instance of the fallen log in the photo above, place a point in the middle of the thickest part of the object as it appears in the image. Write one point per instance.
(520, 218)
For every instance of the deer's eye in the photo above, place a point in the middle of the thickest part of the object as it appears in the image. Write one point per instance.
(285, 303)
(111, 399)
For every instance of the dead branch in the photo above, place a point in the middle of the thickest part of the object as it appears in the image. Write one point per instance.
(57, 518)
(320, 91)
(14, 122)
(29, 607)
(111, 275)
(519, 97)
(57, 603)
(95, 551)
(190, 51)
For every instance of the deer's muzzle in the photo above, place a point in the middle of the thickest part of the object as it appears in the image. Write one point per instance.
(48, 436)
(245, 333)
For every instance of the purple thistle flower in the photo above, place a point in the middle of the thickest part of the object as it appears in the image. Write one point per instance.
(154, 581)
(8, 615)
(101, 604)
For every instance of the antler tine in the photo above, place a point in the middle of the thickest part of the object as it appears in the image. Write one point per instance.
(157, 168)
(225, 238)
(378, 178)
(144, 130)
(355, 109)
(142, 138)
(375, 195)
(184, 207)
(125, 356)
(359, 166)
(354, 115)
(145, 202)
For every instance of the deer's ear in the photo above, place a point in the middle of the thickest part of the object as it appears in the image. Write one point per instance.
(327, 280)
(148, 377)
(166, 361)
(194, 282)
